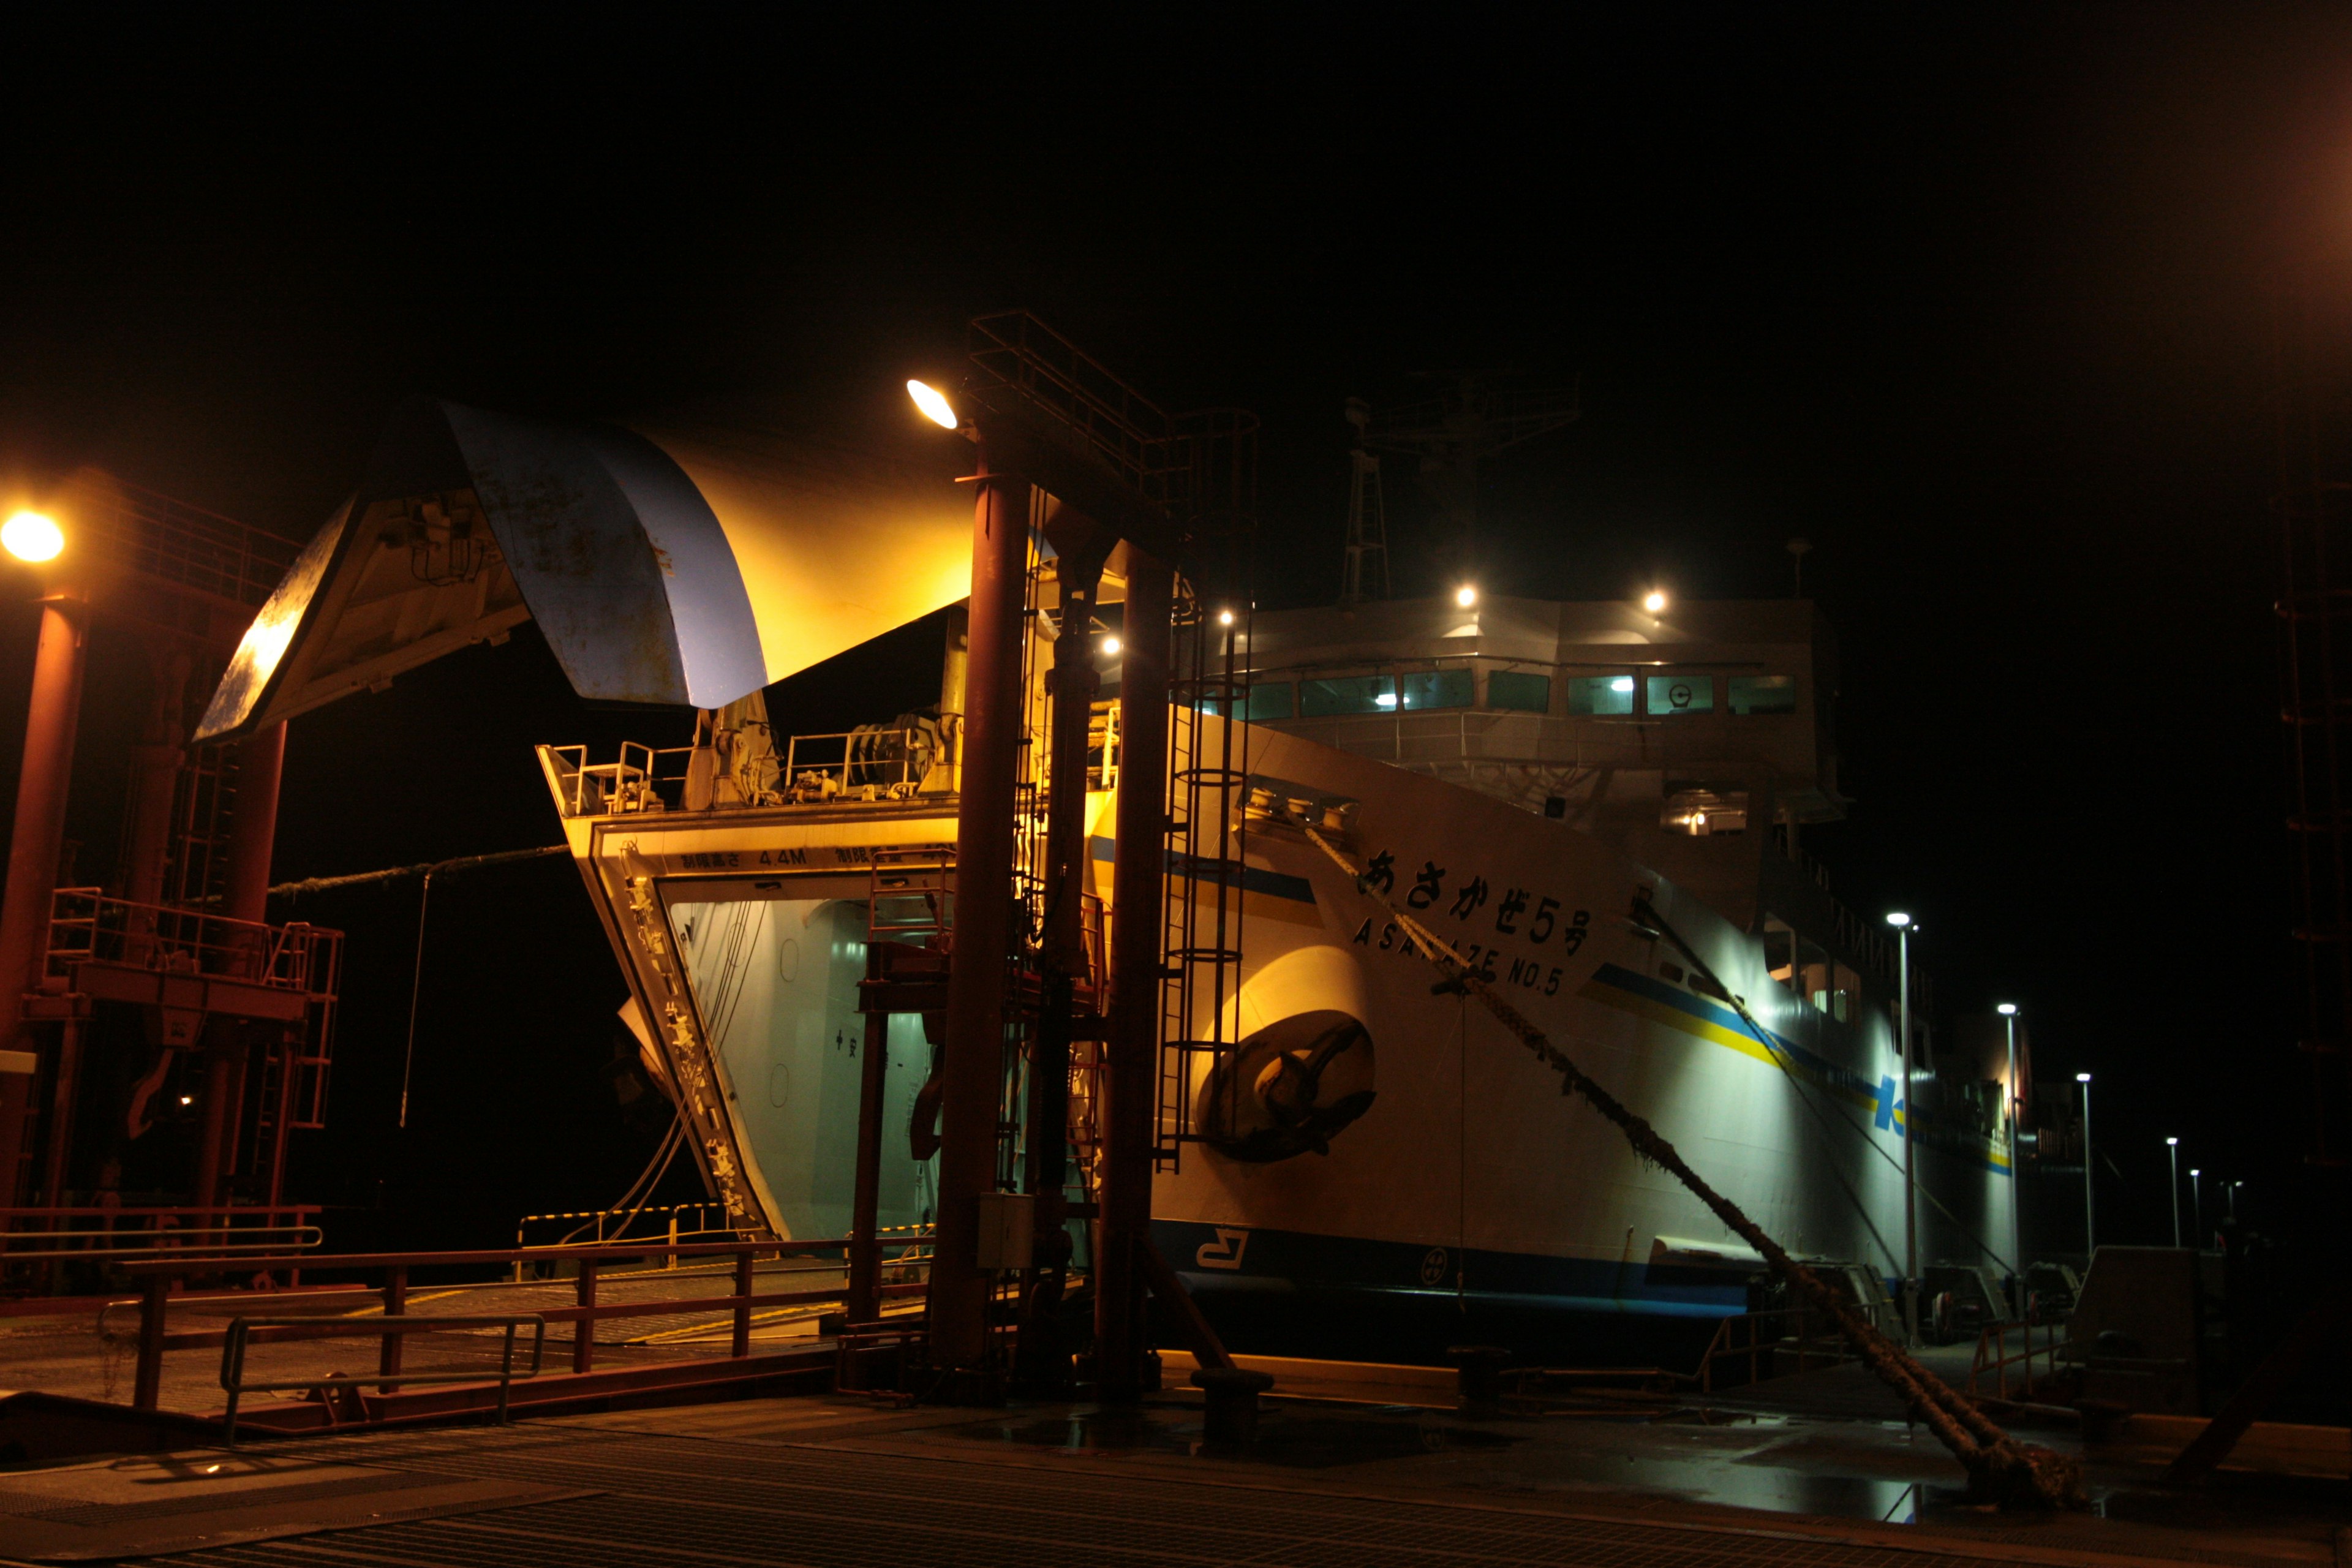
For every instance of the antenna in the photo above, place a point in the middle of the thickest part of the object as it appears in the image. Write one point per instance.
(1474, 418)
(1365, 574)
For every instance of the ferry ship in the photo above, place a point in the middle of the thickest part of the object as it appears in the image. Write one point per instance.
(1598, 805)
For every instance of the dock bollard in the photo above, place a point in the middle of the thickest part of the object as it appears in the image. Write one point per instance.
(1232, 1392)
(1480, 1369)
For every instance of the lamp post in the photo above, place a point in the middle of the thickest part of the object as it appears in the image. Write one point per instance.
(2196, 1199)
(2090, 1233)
(2008, 1011)
(2231, 1188)
(37, 837)
(2173, 1146)
(1901, 924)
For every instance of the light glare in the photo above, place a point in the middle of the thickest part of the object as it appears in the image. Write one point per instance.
(1654, 603)
(1225, 618)
(1466, 596)
(934, 404)
(2082, 1078)
(2007, 1009)
(1110, 645)
(2171, 1142)
(1898, 920)
(29, 536)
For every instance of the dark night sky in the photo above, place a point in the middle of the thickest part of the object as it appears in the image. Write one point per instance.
(1980, 299)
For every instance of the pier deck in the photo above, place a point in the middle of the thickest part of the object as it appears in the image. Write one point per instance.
(834, 1480)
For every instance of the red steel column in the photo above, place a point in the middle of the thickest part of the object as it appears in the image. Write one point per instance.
(253, 827)
(252, 833)
(973, 1072)
(1137, 881)
(34, 845)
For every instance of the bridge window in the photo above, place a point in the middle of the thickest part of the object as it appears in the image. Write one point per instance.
(1347, 694)
(1436, 689)
(1265, 700)
(1600, 694)
(1518, 691)
(1763, 694)
(1674, 694)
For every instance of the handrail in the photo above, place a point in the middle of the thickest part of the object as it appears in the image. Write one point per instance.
(233, 1344)
(1995, 1336)
(1721, 1348)
(155, 1277)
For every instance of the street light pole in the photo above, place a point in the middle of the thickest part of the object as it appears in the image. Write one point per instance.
(1901, 924)
(2090, 1233)
(2172, 1145)
(2195, 1201)
(2231, 1188)
(2008, 1011)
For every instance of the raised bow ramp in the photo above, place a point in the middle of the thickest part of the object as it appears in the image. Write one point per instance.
(680, 564)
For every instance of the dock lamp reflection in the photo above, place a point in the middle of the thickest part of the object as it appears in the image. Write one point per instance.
(30, 536)
(1903, 930)
(2090, 1237)
(2008, 1011)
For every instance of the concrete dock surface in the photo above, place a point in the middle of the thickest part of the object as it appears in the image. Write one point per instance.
(839, 1480)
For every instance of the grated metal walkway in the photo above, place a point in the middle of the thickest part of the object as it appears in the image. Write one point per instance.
(670, 1502)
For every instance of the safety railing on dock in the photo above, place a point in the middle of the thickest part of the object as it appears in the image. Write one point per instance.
(97, 1232)
(1773, 1343)
(1994, 1356)
(388, 1276)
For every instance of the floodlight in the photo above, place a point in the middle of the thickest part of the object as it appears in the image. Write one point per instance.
(2171, 1142)
(1466, 596)
(1654, 603)
(2007, 1009)
(29, 536)
(2085, 1078)
(934, 404)
(1898, 920)
(1110, 645)
(1225, 618)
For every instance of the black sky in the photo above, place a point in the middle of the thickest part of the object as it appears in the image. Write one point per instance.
(1981, 299)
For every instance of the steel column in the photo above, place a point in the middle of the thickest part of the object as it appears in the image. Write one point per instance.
(973, 1072)
(252, 834)
(863, 1304)
(34, 845)
(1132, 1033)
(253, 823)
(1043, 1358)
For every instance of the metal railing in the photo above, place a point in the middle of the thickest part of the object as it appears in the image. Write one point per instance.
(98, 1232)
(865, 760)
(182, 546)
(86, 926)
(1995, 1358)
(240, 1332)
(156, 1278)
(1813, 1342)
(667, 1223)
